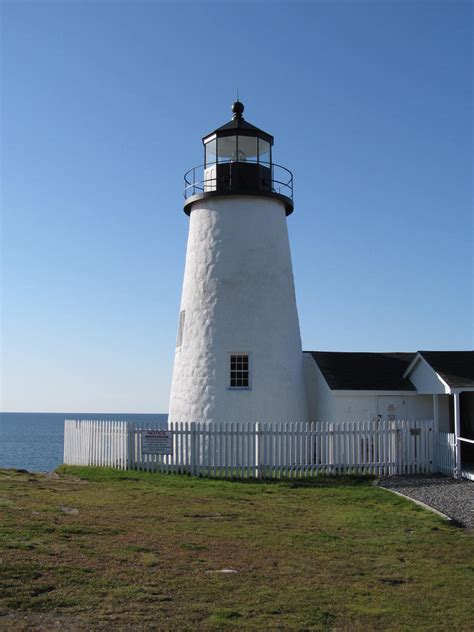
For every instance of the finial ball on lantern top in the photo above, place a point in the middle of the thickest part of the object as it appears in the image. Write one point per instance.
(237, 109)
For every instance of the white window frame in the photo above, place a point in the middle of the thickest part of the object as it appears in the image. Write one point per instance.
(249, 371)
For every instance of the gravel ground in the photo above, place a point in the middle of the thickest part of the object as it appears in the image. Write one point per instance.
(453, 497)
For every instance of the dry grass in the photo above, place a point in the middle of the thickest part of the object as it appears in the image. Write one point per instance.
(336, 554)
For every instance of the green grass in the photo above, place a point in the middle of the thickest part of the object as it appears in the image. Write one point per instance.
(334, 553)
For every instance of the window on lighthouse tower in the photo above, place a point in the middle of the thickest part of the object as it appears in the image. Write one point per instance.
(179, 337)
(239, 370)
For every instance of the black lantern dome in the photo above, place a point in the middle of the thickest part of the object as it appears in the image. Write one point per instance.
(238, 161)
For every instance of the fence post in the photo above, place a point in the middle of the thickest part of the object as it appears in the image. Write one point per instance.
(66, 447)
(125, 445)
(431, 447)
(332, 468)
(394, 447)
(131, 445)
(192, 449)
(258, 465)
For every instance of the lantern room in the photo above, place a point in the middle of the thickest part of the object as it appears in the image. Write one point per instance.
(238, 161)
(238, 141)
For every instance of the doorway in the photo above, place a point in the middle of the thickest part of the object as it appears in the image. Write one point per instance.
(466, 401)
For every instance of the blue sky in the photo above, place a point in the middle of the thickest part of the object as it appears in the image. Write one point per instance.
(103, 109)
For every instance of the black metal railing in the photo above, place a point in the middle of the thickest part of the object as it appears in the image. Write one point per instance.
(199, 179)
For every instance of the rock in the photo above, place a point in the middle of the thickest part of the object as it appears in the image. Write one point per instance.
(69, 510)
(224, 570)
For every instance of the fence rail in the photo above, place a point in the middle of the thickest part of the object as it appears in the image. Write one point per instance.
(260, 450)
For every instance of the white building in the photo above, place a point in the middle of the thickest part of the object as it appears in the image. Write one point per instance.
(436, 385)
(362, 386)
(238, 351)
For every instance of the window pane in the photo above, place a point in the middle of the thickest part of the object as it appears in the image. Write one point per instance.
(239, 371)
(247, 148)
(227, 148)
(210, 148)
(263, 151)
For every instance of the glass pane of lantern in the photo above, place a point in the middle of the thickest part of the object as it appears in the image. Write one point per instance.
(263, 150)
(211, 157)
(247, 148)
(226, 148)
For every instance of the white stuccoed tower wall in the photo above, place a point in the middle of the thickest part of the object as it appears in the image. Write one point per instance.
(238, 298)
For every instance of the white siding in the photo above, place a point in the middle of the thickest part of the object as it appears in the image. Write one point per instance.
(419, 406)
(369, 406)
(321, 401)
(358, 407)
(325, 404)
(443, 412)
(426, 380)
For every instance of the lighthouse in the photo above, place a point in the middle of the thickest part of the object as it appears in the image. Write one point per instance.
(238, 350)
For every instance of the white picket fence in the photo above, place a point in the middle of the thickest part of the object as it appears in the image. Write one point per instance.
(260, 450)
(96, 443)
(445, 453)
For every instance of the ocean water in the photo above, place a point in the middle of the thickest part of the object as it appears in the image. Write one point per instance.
(34, 441)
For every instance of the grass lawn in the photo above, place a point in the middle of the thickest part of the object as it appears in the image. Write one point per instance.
(96, 549)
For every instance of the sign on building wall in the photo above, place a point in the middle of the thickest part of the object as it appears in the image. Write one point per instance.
(157, 442)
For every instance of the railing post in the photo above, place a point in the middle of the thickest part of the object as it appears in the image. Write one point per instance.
(457, 434)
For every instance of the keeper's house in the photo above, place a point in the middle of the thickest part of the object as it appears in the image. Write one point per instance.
(435, 385)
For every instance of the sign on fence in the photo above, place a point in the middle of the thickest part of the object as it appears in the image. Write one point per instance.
(157, 442)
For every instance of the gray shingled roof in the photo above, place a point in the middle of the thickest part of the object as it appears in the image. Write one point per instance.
(455, 367)
(364, 371)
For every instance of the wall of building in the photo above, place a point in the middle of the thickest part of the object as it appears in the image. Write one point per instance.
(355, 407)
(426, 380)
(321, 402)
(445, 413)
(238, 297)
(467, 414)
(327, 405)
(389, 406)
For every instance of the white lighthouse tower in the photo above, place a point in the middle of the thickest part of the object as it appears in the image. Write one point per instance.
(238, 349)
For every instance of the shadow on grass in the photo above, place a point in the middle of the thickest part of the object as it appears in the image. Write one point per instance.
(105, 474)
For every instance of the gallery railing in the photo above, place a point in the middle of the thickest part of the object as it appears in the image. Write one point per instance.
(202, 178)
